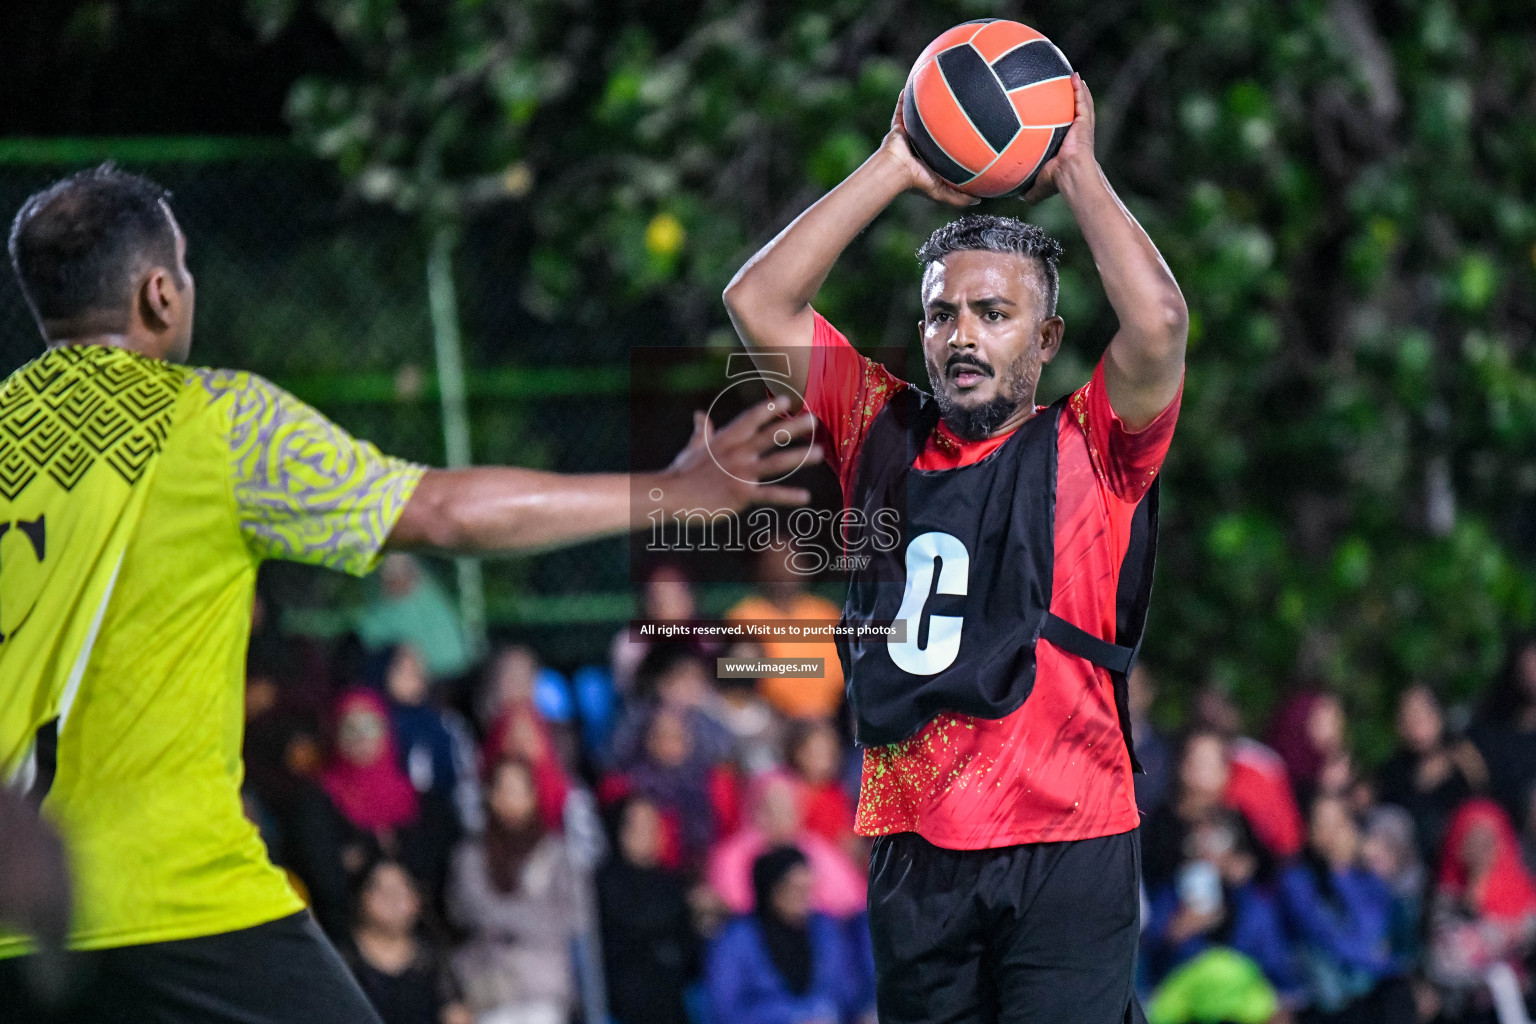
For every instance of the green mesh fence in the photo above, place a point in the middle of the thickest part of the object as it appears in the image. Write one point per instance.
(327, 297)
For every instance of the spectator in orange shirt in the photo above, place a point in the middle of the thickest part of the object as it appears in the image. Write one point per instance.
(783, 596)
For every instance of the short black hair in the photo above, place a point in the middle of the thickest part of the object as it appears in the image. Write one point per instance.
(989, 233)
(77, 245)
(660, 661)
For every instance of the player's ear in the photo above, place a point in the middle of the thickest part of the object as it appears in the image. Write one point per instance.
(1052, 328)
(158, 299)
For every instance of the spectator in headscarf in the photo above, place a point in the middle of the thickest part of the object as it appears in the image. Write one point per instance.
(839, 884)
(674, 676)
(1310, 736)
(651, 952)
(783, 964)
(1390, 851)
(1484, 911)
(1431, 774)
(412, 607)
(435, 749)
(1201, 794)
(517, 729)
(363, 778)
(1505, 732)
(757, 730)
(814, 756)
(514, 891)
(1341, 916)
(666, 595)
(363, 808)
(1258, 784)
(678, 782)
(400, 968)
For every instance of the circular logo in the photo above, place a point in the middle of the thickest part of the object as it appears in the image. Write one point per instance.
(781, 437)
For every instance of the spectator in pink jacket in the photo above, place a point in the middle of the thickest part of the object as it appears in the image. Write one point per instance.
(839, 886)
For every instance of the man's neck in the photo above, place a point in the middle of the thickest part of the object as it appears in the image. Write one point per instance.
(1015, 420)
(122, 341)
(949, 437)
(1025, 413)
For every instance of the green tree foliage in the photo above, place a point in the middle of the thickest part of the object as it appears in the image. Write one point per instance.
(1343, 189)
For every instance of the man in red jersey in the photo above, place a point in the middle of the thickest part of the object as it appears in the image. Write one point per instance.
(997, 763)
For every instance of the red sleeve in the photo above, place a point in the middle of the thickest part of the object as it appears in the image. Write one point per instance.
(845, 391)
(725, 799)
(1270, 807)
(1126, 461)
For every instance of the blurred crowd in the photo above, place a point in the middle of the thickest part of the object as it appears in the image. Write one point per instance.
(1287, 881)
(640, 842)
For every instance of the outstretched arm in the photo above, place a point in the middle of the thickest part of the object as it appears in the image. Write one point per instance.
(1144, 366)
(769, 299)
(493, 508)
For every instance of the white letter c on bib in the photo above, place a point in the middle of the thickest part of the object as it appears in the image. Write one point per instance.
(943, 630)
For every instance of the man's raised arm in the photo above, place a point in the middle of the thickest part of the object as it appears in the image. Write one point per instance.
(493, 508)
(1144, 366)
(769, 299)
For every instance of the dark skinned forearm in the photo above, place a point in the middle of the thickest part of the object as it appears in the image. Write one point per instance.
(1145, 362)
(488, 509)
(495, 508)
(769, 300)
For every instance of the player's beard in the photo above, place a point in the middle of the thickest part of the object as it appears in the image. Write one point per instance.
(1015, 388)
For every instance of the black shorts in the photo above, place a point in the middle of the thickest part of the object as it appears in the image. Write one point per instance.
(282, 972)
(1043, 933)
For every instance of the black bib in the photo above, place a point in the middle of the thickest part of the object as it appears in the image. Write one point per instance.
(972, 577)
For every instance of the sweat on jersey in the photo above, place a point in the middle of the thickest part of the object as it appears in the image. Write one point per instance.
(137, 500)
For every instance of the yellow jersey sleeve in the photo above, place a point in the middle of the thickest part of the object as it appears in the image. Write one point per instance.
(306, 490)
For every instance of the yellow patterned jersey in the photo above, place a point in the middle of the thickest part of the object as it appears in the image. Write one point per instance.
(137, 499)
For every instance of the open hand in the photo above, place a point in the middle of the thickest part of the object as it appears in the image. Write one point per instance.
(721, 469)
(898, 146)
(1076, 146)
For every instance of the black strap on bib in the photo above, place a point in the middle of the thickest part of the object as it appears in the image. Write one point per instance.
(999, 513)
(1085, 645)
(1133, 596)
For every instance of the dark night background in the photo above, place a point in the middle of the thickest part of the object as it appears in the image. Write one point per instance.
(150, 67)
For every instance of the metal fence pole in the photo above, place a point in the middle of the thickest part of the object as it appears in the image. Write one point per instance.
(443, 301)
(588, 848)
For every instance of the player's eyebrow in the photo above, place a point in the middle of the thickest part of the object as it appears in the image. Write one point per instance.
(987, 301)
